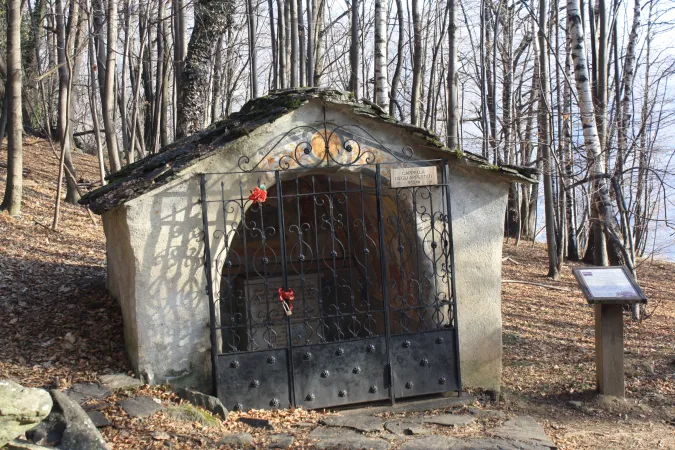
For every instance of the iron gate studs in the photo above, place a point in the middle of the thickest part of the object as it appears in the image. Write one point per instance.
(406, 344)
(340, 351)
(271, 360)
(234, 364)
(371, 348)
(255, 383)
(274, 403)
(310, 397)
(424, 362)
(325, 374)
(373, 390)
(409, 385)
(442, 380)
(342, 393)
(238, 407)
(356, 370)
(307, 356)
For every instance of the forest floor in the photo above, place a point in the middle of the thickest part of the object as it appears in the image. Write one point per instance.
(58, 326)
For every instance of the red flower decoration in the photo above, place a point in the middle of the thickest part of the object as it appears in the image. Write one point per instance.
(258, 195)
(286, 296)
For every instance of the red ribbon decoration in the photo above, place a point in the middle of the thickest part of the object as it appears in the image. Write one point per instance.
(258, 195)
(286, 296)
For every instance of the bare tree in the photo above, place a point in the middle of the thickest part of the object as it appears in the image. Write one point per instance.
(14, 188)
(211, 19)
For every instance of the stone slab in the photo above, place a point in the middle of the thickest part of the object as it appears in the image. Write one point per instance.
(449, 420)
(488, 414)
(98, 419)
(414, 405)
(120, 381)
(20, 444)
(364, 423)
(81, 392)
(236, 439)
(256, 423)
(139, 406)
(406, 427)
(334, 438)
(524, 429)
(495, 444)
(208, 402)
(432, 442)
(280, 441)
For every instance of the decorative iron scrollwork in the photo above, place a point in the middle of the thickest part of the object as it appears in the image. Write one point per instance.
(324, 146)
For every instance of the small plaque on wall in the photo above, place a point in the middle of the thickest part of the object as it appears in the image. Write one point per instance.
(609, 285)
(414, 176)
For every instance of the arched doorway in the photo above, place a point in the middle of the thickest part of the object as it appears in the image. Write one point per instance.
(370, 266)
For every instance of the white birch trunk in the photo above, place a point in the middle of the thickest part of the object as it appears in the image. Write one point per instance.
(381, 76)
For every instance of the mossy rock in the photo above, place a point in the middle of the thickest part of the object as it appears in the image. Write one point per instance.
(188, 413)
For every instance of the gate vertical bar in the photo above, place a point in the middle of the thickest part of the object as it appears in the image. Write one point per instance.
(284, 274)
(446, 182)
(385, 287)
(209, 285)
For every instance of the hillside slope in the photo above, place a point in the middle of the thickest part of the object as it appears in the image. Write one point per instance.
(59, 326)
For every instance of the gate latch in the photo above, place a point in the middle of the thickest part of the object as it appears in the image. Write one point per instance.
(286, 298)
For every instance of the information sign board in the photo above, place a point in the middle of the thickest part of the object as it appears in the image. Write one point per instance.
(608, 285)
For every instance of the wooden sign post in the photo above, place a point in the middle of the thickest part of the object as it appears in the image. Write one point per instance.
(608, 289)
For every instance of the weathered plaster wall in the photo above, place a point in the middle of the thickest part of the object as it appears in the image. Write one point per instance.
(155, 254)
(121, 280)
(478, 206)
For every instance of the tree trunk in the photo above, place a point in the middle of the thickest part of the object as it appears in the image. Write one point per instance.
(417, 64)
(545, 141)
(453, 106)
(108, 97)
(64, 115)
(399, 59)
(293, 11)
(380, 52)
(252, 50)
(212, 17)
(354, 50)
(14, 187)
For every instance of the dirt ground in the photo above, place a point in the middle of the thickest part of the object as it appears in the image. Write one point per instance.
(58, 325)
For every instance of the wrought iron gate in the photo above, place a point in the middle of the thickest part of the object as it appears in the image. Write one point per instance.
(371, 267)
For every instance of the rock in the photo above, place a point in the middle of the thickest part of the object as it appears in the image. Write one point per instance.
(332, 438)
(495, 444)
(256, 423)
(207, 402)
(524, 429)
(81, 392)
(20, 444)
(139, 406)
(189, 413)
(359, 422)
(21, 409)
(303, 425)
(406, 427)
(281, 441)
(120, 381)
(160, 436)
(98, 419)
(68, 427)
(487, 414)
(236, 439)
(433, 442)
(450, 420)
